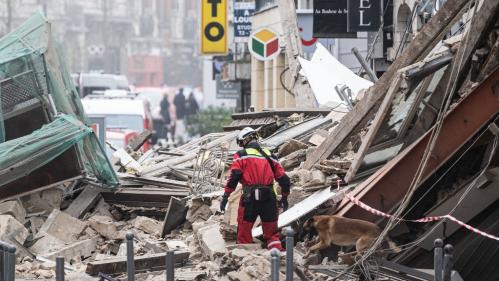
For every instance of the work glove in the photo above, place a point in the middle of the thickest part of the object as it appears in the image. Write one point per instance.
(284, 203)
(225, 200)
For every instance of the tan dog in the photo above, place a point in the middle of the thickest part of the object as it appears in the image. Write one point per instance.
(343, 231)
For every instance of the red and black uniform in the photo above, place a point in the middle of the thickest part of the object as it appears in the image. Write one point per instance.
(253, 170)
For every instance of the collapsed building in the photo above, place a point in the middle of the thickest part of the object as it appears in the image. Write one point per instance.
(421, 142)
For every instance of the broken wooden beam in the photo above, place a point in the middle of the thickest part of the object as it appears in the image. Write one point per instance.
(115, 266)
(156, 181)
(137, 142)
(375, 125)
(175, 215)
(385, 188)
(142, 197)
(420, 46)
(87, 199)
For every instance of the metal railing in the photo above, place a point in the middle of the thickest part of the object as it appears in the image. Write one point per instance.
(7, 262)
(443, 261)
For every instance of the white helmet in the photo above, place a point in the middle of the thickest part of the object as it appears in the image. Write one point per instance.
(244, 134)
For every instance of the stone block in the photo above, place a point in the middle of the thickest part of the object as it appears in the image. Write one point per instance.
(104, 225)
(62, 226)
(290, 147)
(316, 139)
(45, 200)
(175, 245)
(15, 209)
(211, 241)
(316, 178)
(147, 225)
(11, 229)
(77, 249)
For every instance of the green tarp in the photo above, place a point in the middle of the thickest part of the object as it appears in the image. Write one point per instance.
(32, 68)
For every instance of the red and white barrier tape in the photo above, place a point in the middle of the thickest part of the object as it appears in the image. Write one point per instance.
(426, 219)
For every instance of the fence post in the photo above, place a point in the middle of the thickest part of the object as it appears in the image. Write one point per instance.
(274, 274)
(130, 262)
(11, 258)
(170, 267)
(59, 269)
(289, 253)
(438, 259)
(448, 261)
(3, 260)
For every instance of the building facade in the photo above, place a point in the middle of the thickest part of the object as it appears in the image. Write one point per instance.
(268, 77)
(153, 42)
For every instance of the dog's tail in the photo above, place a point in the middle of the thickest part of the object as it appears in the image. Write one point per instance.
(396, 249)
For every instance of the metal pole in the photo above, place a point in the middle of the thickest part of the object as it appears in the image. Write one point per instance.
(448, 261)
(130, 265)
(289, 253)
(59, 269)
(438, 259)
(274, 274)
(3, 262)
(363, 62)
(170, 269)
(11, 267)
(3, 273)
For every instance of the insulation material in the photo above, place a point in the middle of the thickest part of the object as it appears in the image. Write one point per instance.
(324, 72)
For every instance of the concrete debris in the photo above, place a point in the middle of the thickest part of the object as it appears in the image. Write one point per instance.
(62, 226)
(316, 139)
(211, 240)
(199, 209)
(84, 202)
(83, 248)
(11, 229)
(294, 159)
(291, 146)
(15, 209)
(104, 226)
(253, 267)
(43, 201)
(175, 245)
(148, 225)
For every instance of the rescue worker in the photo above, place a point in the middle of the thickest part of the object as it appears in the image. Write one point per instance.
(256, 168)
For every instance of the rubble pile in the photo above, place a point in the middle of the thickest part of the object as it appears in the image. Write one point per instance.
(70, 201)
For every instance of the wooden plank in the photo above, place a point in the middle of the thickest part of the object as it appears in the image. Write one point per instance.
(147, 197)
(420, 46)
(175, 215)
(157, 181)
(84, 202)
(376, 124)
(154, 262)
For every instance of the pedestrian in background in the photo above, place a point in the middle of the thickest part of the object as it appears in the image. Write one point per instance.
(192, 106)
(180, 103)
(165, 114)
